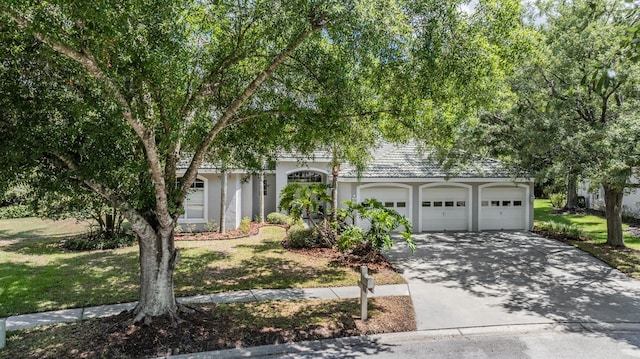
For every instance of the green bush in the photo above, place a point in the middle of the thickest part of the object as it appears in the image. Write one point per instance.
(301, 237)
(279, 218)
(558, 200)
(382, 221)
(245, 225)
(16, 211)
(351, 237)
(557, 229)
(100, 241)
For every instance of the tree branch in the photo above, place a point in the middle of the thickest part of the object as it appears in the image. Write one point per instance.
(605, 101)
(138, 222)
(147, 136)
(228, 114)
(552, 86)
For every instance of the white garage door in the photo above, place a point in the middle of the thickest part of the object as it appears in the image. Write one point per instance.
(445, 209)
(395, 198)
(502, 208)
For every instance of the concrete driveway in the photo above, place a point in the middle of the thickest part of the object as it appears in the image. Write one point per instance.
(462, 280)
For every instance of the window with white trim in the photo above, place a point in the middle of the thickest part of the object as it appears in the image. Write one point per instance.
(195, 201)
(304, 177)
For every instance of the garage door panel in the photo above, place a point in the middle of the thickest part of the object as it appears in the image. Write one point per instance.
(394, 198)
(445, 209)
(502, 208)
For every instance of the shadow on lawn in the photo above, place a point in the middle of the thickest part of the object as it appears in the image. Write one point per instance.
(254, 273)
(35, 246)
(525, 274)
(106, 277)
(81, 280)
(265, 246)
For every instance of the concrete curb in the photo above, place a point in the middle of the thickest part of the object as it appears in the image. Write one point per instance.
(3, 333)
(326, 346)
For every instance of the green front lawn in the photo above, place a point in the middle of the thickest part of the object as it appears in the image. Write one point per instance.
(626, 260)
(594, 227)
(36, 274)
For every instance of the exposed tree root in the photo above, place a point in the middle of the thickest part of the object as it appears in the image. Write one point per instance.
(188, 309)
(139, 317)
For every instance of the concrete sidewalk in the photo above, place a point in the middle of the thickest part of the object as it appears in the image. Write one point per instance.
(71, 315)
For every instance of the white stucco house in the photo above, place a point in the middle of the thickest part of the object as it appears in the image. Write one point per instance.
(484, 198)
(594, 198)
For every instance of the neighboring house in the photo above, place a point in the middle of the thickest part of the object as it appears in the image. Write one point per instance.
(485, 198)
(595, 198)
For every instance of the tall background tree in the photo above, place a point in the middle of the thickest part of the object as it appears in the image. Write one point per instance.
(111, 95)
(575, 116)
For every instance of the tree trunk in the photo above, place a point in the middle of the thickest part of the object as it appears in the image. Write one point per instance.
(572, 192)
(335, 171)
(98, 217)
(110, 224)
(310, 217)
(119, 222)
(158, 258)
(223, 203)
(613, 210)
(261, 198)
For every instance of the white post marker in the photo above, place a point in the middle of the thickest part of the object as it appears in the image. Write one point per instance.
(3, 332)
(365, 283)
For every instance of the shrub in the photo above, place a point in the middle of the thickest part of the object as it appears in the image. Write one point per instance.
(100, 241)
(245, 225)
(382, 221)
(16, 211)
(212, 226)
(558, 200)
(178, 229)
(301, 237)
(191, 227)
(557, 229)
(351, 237)
(279, 218)
(307, 199)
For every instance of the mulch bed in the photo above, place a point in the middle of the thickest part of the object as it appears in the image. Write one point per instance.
(254, 228)
(212, 327)
(375, 262)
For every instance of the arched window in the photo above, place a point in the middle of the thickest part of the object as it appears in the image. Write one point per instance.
(304, 177)
(194, 204)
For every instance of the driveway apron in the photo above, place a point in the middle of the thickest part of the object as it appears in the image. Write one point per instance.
(511, 278)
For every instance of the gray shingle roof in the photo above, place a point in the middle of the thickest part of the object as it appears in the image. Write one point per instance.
(397, 161)
(408, 161)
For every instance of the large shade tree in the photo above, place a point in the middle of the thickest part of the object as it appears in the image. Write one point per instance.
(576, 114)
(111, 95)
(455, 65)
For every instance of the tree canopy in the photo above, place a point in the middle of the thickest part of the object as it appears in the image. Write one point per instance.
(110, 95)
(577, 102)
